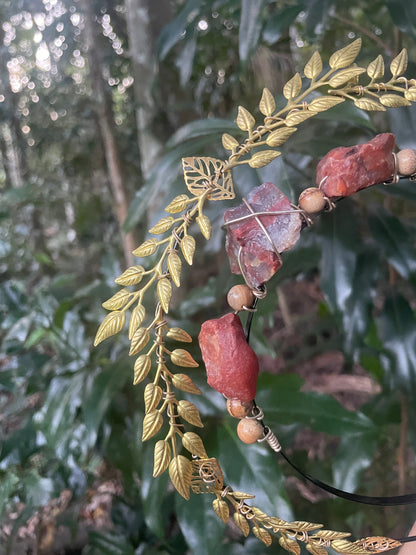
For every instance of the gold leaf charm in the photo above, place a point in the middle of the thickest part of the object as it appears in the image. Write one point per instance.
(221, 509)
(189, 412)
(410, 94)
(178, 334)
(193, 443)
(290, 545)
(162, 456)
(164, 293)
(184, 383)
(206, 476)
(181, 357)
(180, 472)
(228, 142)
(175, 267)
(294, 118)
(141, 368)
(118, 300)
(375, 69)
(245, 120)
(345, 56)
(261, 159)
(111, 325)
(377, 544)
(152, 396)
(324, 103)
(204, 225)
(188, 248)
(345, 546)
(314, 66)
(242, 523)
(292, 87)
(131, 276)
(369, 105)
(137, 316)
(147, 248)
(267, 104)
(162, 225)
(280, 136)
(316, 549)
(344, 76)
(208, 173)
(399, 64)
(152, 423)
(138, 341)
(178, 204)
(393, 100)
(263, 535)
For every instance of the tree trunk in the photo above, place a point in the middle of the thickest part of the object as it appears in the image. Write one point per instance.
(106, 124)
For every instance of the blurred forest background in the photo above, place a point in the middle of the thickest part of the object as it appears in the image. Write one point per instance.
(99, 100)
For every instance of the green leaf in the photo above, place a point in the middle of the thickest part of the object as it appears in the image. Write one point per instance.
(250, 27)
(212, 127)
(173, 32)
(7, 488)
(354, 456)
(403, 14)
(110, 543)
(280, 21)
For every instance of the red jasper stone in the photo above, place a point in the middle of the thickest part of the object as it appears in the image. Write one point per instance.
(349, 169)
(232, 365)
(258, 257)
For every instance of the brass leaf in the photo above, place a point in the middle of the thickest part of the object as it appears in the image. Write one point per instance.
(261, 159)
(141, 368)
(314, 66)
(208, 173)
(164, 293)
(293, 87)
(344, 546)
(399, 64)
(394, 100)
(193, 443)
(316, 549)
(345, 56)
(294, 118)
(162, 456)
(138, 341)
(290, 545)
(137, 316)
(111, 325)
(228, 142)
(330, 535)
(245, 120)
(369, 105)
(147, 248)
(204, 225)
(241, 495)
(152, 423)
(304, 526)
(344, 76)
(178, 204)
(280, 136)
(189, 412)
(152, 396)
(184, 383)
(181, 357)
(323, 103)
(188, 248)
(375, 69)
(221, 509)
(118, 300)
(178, 334)
(162, 225)
(180, 472)
(267, 104)
(263, 535)
(242, 523)
(131, 276)
(410, 94)
(175, 267)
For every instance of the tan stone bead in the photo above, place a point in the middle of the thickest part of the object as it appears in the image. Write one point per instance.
(249, 430)
(406, 161)
(240, 296)
(239, 409)
(312, 200)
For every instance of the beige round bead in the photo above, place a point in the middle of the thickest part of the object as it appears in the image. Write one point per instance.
(249, 430)
(239, 409)
(312, 200)
(406, 161)
(240, 296)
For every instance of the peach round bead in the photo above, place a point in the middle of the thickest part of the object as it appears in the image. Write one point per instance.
(312, 200)
(239, 409)
(249, 430)
(406, 161)
(240, 296)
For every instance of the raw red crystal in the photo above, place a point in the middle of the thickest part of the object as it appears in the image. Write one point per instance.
(232, 365)
(258, 258)
(349, 169)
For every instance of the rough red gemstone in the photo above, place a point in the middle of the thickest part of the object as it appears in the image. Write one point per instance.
(349, 169)
(258, 257)
(232, 365)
